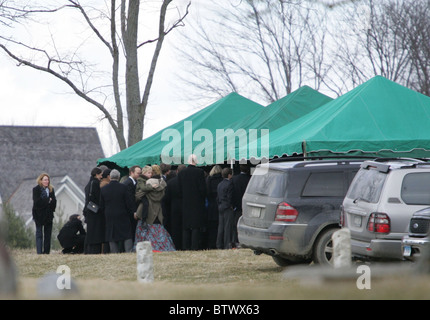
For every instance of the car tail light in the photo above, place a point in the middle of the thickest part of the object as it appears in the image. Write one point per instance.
(379, 223)
(285, 212)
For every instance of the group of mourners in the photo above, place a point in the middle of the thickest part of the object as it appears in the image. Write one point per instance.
(186, 208)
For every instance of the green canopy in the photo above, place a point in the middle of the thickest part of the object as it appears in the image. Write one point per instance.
(278, 114)
(285, 110)
(377, 118)
(195, 134)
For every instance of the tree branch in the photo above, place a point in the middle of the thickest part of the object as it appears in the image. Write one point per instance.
(49, 70)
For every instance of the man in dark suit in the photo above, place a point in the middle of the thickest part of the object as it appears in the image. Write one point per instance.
(192, 186)
(173, 207)
(240, 182)
(225, 210)
(118, 207)
(130, 182)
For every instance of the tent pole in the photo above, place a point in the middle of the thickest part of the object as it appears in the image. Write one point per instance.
(304, 148)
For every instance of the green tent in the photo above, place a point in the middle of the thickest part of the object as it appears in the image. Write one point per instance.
(277, 114)
(285, 110)
(195, 134)
(377, 118)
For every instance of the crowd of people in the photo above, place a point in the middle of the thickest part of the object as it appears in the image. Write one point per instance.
(181, 208)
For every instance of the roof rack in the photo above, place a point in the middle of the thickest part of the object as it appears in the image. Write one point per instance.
(422, 160)
(381, 165)
(320, 158)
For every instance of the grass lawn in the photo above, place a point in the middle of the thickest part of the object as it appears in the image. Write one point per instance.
(196, 275)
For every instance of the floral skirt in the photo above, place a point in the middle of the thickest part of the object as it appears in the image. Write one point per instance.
(155, 233)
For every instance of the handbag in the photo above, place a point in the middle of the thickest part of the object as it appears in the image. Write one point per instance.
(92, 206)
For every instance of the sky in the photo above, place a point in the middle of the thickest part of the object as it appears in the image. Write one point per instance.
(31, 97)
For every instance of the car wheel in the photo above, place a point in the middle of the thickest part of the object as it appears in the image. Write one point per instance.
(323, 248)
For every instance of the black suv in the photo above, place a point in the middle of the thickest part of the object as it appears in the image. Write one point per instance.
(292, 208)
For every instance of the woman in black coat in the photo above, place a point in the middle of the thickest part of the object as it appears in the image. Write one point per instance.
(95, 220)
(212, 181)
(72, 235)
(44, 204)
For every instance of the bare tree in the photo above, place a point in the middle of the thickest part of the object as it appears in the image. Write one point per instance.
(387, 38)
(375, 43)
(116, 27)
(261, 49)
(416, 26)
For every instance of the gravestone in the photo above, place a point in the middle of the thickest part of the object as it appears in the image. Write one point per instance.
(341, 248)
(145, 262)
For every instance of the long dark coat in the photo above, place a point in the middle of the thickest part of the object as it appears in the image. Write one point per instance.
(213, 215)
(43, 209)
(118, 207)
(173, 205)
(131, 187)
(240, 182)
(192, 186)
(95, 221)
(212, 184)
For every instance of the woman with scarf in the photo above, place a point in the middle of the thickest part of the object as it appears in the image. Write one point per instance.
(150, 191)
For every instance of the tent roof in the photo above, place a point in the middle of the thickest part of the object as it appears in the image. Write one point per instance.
(376, 117)
(285, 110)
(218, 115)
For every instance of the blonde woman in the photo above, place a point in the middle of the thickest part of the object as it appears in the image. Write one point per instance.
(150, 189)
(44, 204)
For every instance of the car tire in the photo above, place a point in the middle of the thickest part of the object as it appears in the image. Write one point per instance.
(323, 247)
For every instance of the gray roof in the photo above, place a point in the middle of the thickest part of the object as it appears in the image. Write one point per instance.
(27, 151)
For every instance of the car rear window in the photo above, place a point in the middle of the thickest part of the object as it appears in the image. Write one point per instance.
(272, 183)
(416, 188)
(367, 185)
(324, 184)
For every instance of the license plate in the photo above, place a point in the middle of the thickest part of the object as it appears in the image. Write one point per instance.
(255, 212)
(357, 221)
(407, 251)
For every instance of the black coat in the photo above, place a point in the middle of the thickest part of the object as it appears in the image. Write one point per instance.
(43, 208)
(118, 208)
(95, 221)
(192, 186)
(173, 207)
(212, 185)
(131, 187)
(240, 182)
(225, 195)
(68, 236)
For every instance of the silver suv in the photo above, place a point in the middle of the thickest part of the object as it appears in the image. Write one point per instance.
(419, 235)
(379, 205)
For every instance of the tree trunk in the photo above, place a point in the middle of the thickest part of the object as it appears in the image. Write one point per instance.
(134, 113)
